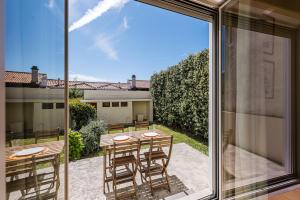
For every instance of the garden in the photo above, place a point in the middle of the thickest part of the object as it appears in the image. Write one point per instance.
(180, 103)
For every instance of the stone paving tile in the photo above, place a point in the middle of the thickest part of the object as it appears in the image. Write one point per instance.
(188, 169)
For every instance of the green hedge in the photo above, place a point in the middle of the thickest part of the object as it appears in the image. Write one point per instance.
(180, 95)
(81, 114)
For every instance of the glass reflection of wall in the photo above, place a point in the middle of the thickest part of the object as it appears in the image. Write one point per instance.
(256, 101)
(34, 66)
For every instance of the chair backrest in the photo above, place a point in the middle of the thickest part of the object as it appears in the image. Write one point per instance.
(28, 168)
(125, 148)
(47, 133)
(158, 144)
(112, 127)
(28, 165)
(142, 124)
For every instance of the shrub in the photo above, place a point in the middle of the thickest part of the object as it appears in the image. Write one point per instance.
(75, 93)
(91, 136)
(75, 145)
(180, 95)
(81, 114)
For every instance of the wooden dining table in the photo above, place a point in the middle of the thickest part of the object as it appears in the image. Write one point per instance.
(107, 141)
(19, 165)
(51, 148)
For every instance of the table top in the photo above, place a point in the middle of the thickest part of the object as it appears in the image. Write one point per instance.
(55, 147)
(107, 139)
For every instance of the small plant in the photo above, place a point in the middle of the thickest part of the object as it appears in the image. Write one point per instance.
(75, 145)
(75, 93)
(91, 136)
(81, 114)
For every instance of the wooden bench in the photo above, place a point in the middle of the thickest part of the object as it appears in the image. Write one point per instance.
(46, 134)
(142, 124)
(113, 127)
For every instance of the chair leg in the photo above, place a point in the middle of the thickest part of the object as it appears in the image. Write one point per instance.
(167, 179)
(150, 184)
(115, 190)
(135, 187)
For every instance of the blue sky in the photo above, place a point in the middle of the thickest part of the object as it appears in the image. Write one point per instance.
(109, 40)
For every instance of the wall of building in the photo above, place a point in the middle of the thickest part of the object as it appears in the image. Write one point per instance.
(141, 108)
(47, 119)
(33, 94)
(126, 115)
(114, 115)
(19, 117)
(115, 95)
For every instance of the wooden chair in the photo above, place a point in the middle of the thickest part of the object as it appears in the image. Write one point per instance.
(112, 127)
(46, 134)
(142, 124)
(123, 167)
(24, 176)
(155, 161)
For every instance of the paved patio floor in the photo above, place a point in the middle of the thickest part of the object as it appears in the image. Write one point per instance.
(188, 169)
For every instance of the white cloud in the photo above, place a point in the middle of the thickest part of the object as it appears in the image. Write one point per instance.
(51, 4)
(82, 77)
(125, 23)
(105, 44)
(97, 11)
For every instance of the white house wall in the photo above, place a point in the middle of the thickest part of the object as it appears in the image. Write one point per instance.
(139, 102)
(115, 95)
(114, 115)
(19, 117)
(47, 119)
(14, 94)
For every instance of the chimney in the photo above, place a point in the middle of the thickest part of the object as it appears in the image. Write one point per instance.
(34, 74)
(44, 81)
(133, 82)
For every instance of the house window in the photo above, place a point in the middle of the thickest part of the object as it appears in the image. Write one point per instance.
(60, 105)
(115, 104)
(106, 104)
(124, 104)
(47, 105)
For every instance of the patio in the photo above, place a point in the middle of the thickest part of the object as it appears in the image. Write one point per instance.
(187, 174)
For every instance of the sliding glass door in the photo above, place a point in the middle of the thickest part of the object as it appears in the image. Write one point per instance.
(34, 113)
(257, 64)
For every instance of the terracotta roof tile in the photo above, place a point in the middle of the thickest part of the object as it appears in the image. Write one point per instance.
(24, 79)
(19, 77)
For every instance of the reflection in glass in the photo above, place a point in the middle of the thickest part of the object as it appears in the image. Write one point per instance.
(34, 99)
(256, 97)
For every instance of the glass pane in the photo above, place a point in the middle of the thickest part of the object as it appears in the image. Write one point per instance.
(147, 73)
(34, 66)
(256, 97)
